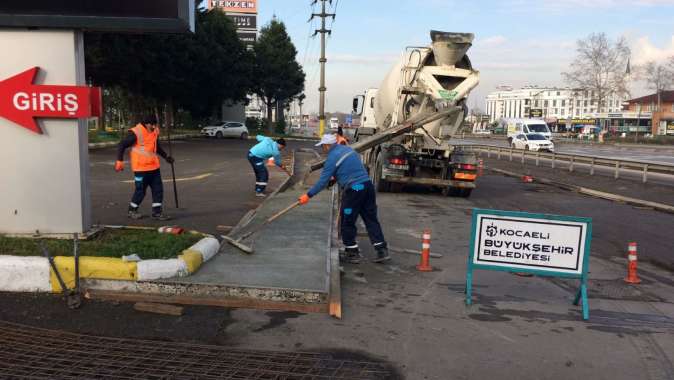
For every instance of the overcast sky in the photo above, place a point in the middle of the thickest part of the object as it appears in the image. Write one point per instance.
(518, 42)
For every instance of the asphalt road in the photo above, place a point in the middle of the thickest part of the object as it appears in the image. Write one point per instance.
(518, 328)
(215, 185)
(655, 154)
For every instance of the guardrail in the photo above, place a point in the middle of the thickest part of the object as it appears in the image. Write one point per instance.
(616, 164)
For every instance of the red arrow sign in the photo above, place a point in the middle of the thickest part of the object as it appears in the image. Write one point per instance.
(21, 101)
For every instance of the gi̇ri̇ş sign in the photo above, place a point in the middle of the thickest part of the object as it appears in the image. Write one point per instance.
(546, 245)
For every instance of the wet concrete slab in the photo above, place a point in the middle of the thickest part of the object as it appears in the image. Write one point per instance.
(291, 260)
(291, 252)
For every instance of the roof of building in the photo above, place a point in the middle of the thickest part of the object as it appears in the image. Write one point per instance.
(665, 96)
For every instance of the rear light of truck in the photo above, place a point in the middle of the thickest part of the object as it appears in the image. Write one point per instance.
(397, 161)
(465, 176)
(466, 167)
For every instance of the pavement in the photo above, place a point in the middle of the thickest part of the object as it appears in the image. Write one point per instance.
(517, 328)
(291, 253)
(214, 179)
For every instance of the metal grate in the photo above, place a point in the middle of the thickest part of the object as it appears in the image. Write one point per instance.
(34, 353)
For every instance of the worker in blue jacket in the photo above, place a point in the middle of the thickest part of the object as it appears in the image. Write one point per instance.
(258, 156)
(358, 199)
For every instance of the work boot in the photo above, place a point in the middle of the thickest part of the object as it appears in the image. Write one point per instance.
(350, 255)
(382, 256)
(260, 195)
(134, 214)
(160, 216)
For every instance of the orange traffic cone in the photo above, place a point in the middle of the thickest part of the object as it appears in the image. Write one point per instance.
(173, 230)
(632, 277)
(425, 265)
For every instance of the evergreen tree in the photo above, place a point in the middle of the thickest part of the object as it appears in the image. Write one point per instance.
(277, 75)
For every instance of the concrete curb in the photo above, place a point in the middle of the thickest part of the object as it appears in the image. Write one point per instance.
(34, 274)
(594, 193)
(108, 144)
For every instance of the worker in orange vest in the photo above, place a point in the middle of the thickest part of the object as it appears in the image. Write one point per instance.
(143, 139)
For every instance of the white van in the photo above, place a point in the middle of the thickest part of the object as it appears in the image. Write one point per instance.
(516, 127)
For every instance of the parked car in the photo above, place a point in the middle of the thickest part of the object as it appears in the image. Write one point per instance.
(532, 141)
(229, 129)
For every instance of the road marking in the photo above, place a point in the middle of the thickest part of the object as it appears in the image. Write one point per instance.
(195, 178)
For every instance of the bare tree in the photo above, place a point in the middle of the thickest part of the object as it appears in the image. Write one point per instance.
(657, 76)
(600, 66)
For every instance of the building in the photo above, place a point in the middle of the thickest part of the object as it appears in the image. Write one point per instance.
(661, 118)
(244, 15)
(549, 103)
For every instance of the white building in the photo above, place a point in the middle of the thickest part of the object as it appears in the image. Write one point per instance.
(547, 103)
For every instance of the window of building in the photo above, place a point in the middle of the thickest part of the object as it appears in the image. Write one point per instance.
(526, 102)
(577, 112)
(557, 93)
(554, 111)
(563, 103)
(554, 103)
(535, 103)
(545, 103)
(585, 103)
(585, 111)
(577, 103)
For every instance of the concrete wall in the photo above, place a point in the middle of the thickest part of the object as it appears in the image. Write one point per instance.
(44, 178)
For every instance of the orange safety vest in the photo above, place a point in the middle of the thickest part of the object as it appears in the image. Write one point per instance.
(144, 154)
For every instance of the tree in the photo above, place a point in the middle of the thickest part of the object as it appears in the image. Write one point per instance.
(657, 76)
(600, 66)
(278, 77)
(194, 72)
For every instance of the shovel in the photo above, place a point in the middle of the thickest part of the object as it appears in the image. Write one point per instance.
(72, 296)
(237, 242)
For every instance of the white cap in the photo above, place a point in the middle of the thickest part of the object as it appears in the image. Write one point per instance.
(328, 139)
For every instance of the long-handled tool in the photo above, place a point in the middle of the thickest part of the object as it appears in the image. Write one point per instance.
(173, 169)
(237, 242)
(73, 298)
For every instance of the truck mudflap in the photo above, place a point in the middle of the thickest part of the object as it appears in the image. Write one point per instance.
(445, 183)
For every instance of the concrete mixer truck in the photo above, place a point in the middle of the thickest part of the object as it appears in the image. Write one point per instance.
(412, 116)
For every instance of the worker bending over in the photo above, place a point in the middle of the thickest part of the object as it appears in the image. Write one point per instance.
(358, 198)
(259, 154)
(143, 139)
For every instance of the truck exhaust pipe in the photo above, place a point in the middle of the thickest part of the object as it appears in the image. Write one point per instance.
(450, 48)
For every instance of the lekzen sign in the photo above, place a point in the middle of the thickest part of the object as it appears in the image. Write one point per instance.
(21, 101)
(545, 245)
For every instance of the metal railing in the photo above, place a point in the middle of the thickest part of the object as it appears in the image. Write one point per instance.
(615, 164)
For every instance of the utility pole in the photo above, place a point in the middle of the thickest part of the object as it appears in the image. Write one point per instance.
(323, 31)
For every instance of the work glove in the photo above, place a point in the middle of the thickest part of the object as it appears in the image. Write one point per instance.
(304, 199)
(119, 166)
(170, 160)
(332, 182)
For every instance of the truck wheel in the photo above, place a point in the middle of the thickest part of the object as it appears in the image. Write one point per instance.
(219, 135)
(396, 187)
(381, 185)
(451, 191)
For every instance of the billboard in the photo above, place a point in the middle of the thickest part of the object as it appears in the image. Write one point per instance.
(168, 16)
(244, 21)
(234, 6)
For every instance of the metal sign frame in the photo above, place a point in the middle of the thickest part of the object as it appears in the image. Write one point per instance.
(581, 294)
